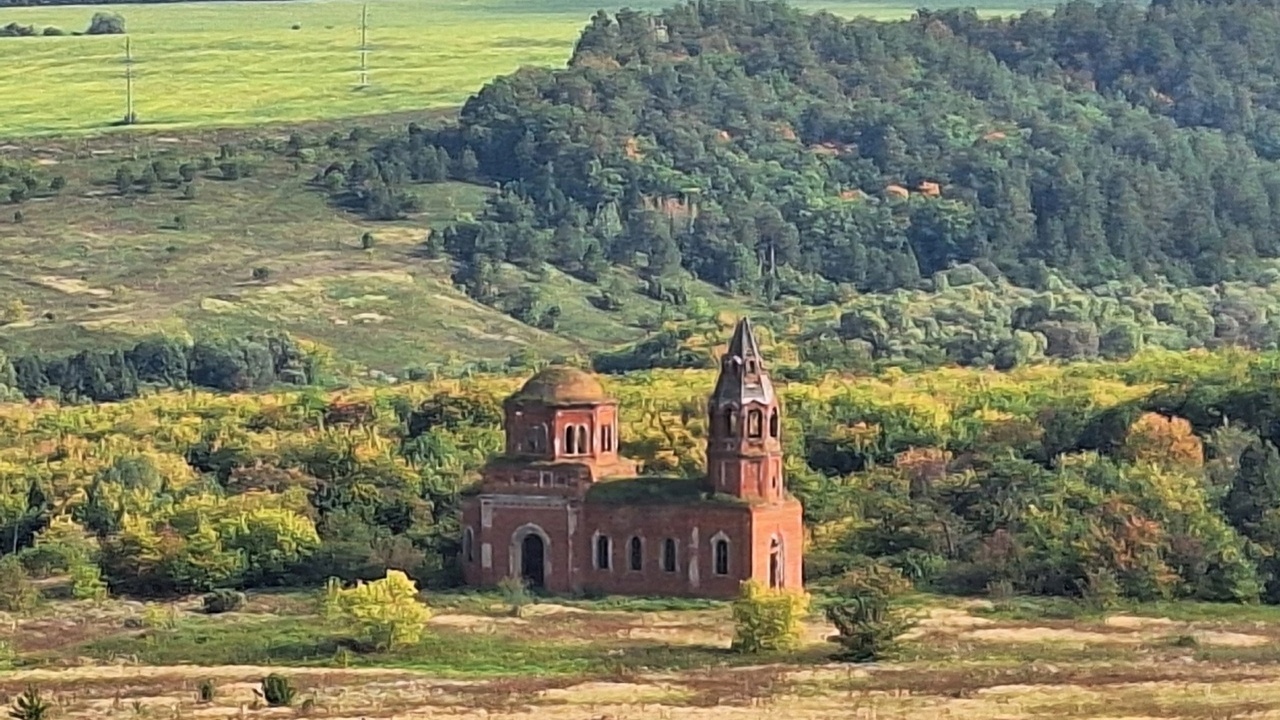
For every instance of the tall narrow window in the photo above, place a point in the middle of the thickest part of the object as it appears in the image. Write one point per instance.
(755, 424)
(604, 551)
(637, 554)
(570, 444)
(731, 422)
(773, 423)
(584, 440)
(722, 557)
(669, 555)
(606, 438)
(468, 545)
(775, 564)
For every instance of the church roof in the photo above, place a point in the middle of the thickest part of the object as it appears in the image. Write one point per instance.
(742, 373)
(561, 385)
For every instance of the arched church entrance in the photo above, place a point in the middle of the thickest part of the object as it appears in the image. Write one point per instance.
(533, 556)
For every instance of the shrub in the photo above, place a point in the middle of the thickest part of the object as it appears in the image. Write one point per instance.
(765, 619)
(386, 612)
(874, 578)
(30, 706)
(366, 241)
(52, 31)
(17, 593)
(515, 591)
(260, 273)
(278, 691)
(86, 582)
(106, 23)
(221, 601)
(867, 627)
(206, 691)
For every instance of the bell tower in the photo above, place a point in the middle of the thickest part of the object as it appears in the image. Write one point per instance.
(744, 445)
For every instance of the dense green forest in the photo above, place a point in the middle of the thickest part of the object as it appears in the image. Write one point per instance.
(780, 153)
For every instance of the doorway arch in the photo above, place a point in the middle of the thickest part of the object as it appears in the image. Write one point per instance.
(530, 555)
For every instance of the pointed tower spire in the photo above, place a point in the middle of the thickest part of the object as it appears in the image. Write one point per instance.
(744, 448)
(742, 373)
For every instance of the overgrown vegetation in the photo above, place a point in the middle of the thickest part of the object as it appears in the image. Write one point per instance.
(767, 619)
(385, 614)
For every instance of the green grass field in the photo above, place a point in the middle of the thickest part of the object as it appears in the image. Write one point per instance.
(229, 63)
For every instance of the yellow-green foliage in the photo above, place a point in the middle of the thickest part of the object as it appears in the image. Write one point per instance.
(386, 612)
(86, 582)
(765, 619)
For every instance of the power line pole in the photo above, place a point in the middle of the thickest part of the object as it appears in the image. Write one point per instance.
(364, 47)
(129, 117)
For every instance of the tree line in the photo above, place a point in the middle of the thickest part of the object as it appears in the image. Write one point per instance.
(235, 364)
(1151, 478)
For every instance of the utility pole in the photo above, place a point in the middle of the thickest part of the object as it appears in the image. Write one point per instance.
(129, 117)
(364, 47)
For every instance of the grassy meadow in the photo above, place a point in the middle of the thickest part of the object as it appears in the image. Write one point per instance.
(241, 64)
(582, 659)
(92, 268)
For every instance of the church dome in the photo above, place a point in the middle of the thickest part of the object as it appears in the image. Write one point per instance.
(559, 385)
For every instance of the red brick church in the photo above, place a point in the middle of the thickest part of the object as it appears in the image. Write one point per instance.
(563, 509)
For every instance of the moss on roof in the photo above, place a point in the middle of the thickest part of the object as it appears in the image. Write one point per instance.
(561, 385)
(656, 491)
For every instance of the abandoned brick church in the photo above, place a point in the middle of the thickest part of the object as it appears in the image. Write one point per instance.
(564, 510)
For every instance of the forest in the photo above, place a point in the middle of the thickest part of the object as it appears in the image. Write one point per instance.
(1150, 478)
(779, 153)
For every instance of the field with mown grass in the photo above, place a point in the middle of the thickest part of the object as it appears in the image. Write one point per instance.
(1017, 658)
(228, 63)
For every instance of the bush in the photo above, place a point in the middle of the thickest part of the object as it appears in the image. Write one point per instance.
(17, 593)
(30, 706)
(86, 582)
(874, 578)
(278, 691)
(106, 23)
(867, 627)
(52, 31)
(766, 619)
(515, 591)
(221, 601)
(386, 612)
(261, 274)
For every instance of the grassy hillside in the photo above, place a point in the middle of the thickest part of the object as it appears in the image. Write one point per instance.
(91, 268)
(217, 64)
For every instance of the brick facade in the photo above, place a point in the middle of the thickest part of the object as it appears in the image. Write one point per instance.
(562, 509)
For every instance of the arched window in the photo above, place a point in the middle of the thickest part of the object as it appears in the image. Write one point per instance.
(584, 440)
(731, 422)
(755, 423)
(570, 447)
(637, 554)
(604, 552)
(773, 423)
(469, 545)
(669, 555)
(775, 564)
(721, 557)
